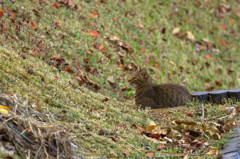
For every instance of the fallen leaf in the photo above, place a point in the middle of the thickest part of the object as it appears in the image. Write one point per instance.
(33, 25)
(155, 136)
(190, 36)
(139, 26)
(115, 19)
(95, 13)
(57, 57)
(233, 114)
(224, 27)
(223, 42)
(56, 5)
(218, 83)
(4, 110)
(149, 154)
(94, 33)
(102, 49)
(190, 113)
(1, 13)
(140, 128)
(127, 154)
(57, 23)
(105, 100)
(175, 31)
(208, 56)
(33, 52)
(149, 128)
(68, 69)
(212, 152)
(4, 107)
(68, 3)
(160, 147)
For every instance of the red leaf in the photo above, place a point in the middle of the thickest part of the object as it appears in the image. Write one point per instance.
(140, 128)
(33, 52)
(57, 24)
(33, 25)
(127, 154)
(115, 19)
(190, 113)
(223, 42)
(149, 154)
(56, 5)
(188, 20)
(94, 33)
(208, 56)
(1, 13)
(224, 27)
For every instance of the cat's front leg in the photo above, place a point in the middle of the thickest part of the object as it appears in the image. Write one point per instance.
(146, 102)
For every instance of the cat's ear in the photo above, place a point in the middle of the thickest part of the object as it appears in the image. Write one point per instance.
(144, 72)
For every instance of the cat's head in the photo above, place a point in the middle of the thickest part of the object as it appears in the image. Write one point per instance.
(140, 77)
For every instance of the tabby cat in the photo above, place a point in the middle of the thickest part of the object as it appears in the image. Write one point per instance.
(157, 96)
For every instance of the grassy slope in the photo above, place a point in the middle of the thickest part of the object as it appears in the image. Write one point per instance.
(72, 41)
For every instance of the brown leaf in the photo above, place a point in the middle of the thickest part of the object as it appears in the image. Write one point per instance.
(68, 69)
(43, 79)
(140, 128)
(149, 128)
(105, 100)
(68, 3)
(195, 144)
(218, 83)
(95, 13)
(83, 79)
(223, 10)
(155, 136)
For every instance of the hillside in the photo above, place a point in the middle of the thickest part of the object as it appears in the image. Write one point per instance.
(74, 58)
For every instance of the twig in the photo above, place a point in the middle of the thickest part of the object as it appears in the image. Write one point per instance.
(9, 81)
(129, 144)
(206, 136)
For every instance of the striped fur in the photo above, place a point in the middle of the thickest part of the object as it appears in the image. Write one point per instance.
(159, 96)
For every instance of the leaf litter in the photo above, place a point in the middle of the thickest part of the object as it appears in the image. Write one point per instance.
(190, 134)
(28, 132)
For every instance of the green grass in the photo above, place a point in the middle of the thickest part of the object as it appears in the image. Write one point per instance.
(170, 60)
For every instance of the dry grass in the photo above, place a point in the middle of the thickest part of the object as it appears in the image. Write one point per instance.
(110, 112)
